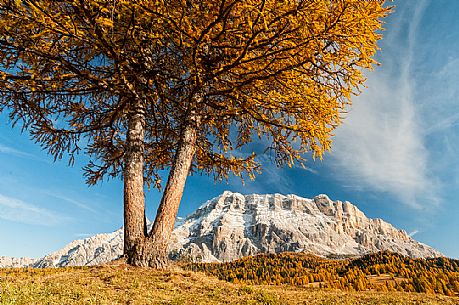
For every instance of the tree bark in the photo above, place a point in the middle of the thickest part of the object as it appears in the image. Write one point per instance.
(153, 251)
(168, 208)
(134, 201)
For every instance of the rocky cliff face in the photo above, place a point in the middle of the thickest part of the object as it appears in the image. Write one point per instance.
(95, 250)
(235, 225)
(13, 262)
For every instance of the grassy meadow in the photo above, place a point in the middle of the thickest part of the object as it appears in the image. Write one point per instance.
(122, 284)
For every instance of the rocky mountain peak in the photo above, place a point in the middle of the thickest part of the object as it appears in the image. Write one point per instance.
(13, 262)
(234, 225)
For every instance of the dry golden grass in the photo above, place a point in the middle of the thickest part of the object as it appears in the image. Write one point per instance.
(121, 284)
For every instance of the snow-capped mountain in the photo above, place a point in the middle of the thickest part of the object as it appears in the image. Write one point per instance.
(234, 225)
(15, 262)
(95, 250)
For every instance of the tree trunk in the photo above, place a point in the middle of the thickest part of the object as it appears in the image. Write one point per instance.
(153, 252)
(134, 201)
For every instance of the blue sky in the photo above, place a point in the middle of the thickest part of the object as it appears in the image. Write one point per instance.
(395, 156)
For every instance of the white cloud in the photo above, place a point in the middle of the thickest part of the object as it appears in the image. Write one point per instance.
(16, 210)
(381, 144)
(442, 86)
(72, 201)
(412, 233)
(12, 151)
(8, 150)
(272, 178)
(84, 235)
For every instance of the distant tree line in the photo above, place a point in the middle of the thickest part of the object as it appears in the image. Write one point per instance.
(383, 271)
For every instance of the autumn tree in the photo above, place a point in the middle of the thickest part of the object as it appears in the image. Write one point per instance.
(142, 86)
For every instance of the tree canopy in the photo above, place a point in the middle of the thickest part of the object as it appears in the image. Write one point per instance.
(132, 82)
(284, 69)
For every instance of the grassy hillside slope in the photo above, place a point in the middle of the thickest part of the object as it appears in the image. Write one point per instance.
(121, 284)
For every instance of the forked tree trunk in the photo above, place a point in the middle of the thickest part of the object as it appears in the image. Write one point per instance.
(153, 251)
(134, 202)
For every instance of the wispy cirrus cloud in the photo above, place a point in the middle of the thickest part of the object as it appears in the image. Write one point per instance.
(412, 233)
(72, 201)
(8, 150)
(12, 151)
(13, 209)
(271, 179)
(381, 143)
(84, 235)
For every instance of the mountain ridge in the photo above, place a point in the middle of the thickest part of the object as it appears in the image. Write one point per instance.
(233, 225)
